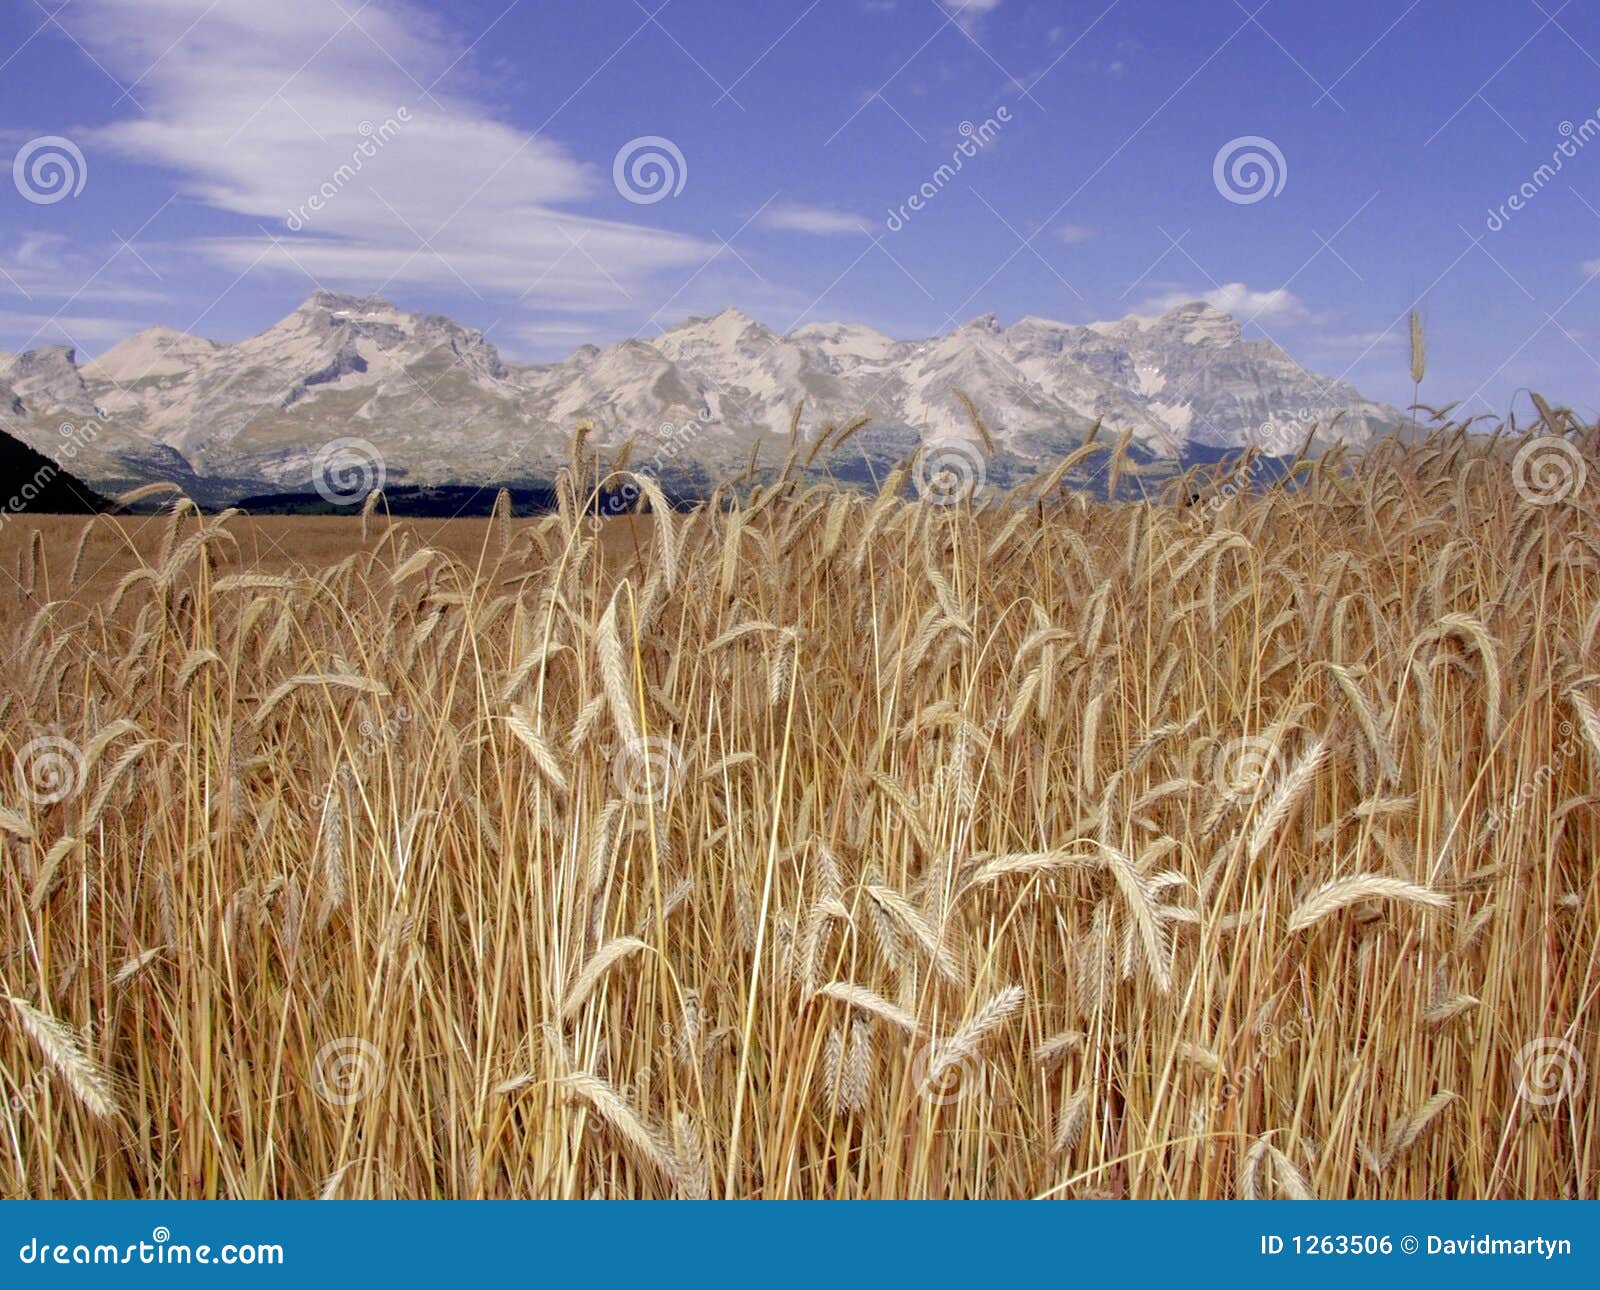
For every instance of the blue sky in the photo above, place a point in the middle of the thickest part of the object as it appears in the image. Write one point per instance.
(488, 190)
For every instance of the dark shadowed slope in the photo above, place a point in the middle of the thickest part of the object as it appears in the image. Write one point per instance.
(30, 481)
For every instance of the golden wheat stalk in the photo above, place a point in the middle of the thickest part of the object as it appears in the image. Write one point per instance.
(1341, 893)
(521, 722)
(614, 670)
(962, 1046)
(66, 1052)
(872, 1004)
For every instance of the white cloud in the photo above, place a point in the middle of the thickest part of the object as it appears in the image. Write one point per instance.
(969, 13)
(1591, 268)
(1278, 305)
(258, 108)
(798, 218)
(1072, 234)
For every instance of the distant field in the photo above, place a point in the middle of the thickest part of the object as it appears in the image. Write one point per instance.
(829, 845)
(273, 544)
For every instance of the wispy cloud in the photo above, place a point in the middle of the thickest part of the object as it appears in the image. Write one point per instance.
(256, 111)
(1278, 305)
(1072, 234)
(86, 333)
(796, 217)
(969, 13)
(44, 266)
(547, 341)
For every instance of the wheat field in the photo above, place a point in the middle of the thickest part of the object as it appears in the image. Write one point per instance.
(816, 843)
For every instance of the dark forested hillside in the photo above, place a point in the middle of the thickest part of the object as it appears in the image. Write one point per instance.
(30, 481)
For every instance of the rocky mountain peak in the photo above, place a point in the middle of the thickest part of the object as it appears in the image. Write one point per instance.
(324, 301)
(44, 358)
(1201, 323)
(48, 377)
(153, 352)
(724, 327)
(437, 402)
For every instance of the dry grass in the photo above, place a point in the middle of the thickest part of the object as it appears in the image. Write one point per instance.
(828, 846)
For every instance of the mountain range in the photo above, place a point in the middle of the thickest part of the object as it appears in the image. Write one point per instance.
(436, 401)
